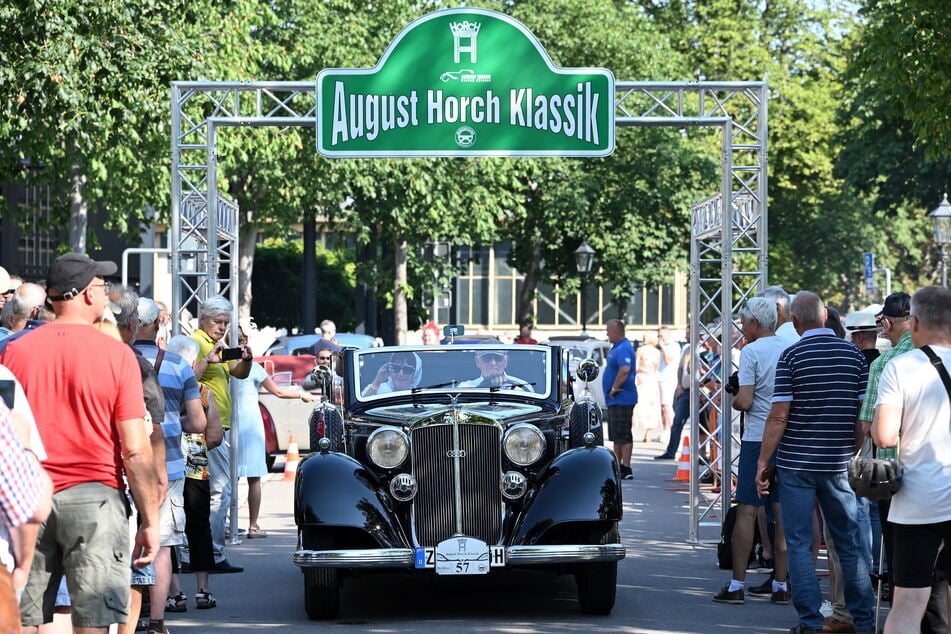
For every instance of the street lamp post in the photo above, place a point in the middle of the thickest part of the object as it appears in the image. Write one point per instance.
(584, 259)
(941, 219)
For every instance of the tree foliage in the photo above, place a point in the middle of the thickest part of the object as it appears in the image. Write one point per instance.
(84, 99)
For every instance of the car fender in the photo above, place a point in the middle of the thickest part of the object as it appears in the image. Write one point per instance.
(334, 490)
(580, 485)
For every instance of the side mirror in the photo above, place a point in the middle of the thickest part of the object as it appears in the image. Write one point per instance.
(588, 370)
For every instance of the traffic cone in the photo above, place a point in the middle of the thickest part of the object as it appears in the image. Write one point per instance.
(292, 459)
(683, 465)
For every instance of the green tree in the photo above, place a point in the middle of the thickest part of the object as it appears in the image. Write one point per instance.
(905, 58)
(800, 50)
(84, 104)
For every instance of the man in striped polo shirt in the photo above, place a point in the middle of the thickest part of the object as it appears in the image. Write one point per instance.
(814, 421)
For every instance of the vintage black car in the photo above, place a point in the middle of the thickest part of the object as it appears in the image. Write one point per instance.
(458, 460)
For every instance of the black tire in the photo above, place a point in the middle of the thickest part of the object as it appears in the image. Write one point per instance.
(332, 426)
(597, 582)
(585, 416)
(321, 593)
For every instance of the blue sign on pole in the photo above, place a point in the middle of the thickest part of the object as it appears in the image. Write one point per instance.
(869, 272)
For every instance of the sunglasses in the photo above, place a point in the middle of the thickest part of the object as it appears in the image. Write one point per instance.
(405, 369)
(497, 358)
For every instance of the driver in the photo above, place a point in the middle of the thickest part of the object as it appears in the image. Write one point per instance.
(492, 364)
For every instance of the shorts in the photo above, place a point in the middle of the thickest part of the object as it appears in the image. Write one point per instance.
(915, 550)
(97, 575)
(143, 576)
(620, 422)
(172, 515)
(746, 492)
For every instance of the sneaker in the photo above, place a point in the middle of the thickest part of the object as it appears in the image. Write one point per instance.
(626, 473)
(781, 597)
(765, 589)
(725, 596)
(224, 566)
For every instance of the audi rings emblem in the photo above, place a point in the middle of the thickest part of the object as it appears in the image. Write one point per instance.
(456, 453)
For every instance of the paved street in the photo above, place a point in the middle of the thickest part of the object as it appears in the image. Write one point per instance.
(665, 584)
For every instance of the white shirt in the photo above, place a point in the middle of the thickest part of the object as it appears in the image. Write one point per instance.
(910, 382)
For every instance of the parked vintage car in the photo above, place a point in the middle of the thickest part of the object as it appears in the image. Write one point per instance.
(442, 463)
(302, 344)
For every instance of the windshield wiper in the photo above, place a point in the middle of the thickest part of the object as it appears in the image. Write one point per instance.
(416, 390)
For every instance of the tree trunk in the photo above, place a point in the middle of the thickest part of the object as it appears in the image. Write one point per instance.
(78, 210)
(400, 318)
(523, 313)
(247, 240)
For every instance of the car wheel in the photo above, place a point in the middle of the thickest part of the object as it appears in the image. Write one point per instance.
(585, 416)
(597, 582)
(325, 423)
(321, 593)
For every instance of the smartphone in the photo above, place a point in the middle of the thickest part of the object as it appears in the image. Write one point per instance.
(7, 392)
(230, 354)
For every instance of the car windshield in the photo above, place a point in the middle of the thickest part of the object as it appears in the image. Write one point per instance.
(487, 368)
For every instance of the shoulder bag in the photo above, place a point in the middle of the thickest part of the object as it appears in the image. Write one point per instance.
(877, 478)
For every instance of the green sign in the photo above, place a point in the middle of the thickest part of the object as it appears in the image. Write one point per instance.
(465, 82)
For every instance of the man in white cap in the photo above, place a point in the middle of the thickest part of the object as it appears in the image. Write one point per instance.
(864, 332)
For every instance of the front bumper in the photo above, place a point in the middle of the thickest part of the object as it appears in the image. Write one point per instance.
(514, 556)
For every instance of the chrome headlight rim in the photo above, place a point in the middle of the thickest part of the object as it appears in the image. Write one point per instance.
(385, 434)
(525, 432)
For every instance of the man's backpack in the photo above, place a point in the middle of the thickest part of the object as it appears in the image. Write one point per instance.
(725, 547)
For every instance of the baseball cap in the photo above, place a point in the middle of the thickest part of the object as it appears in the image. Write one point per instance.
(148, 311)
(896, 305)
(497, 353)
(5, 283)
(860, 320)
(72, 272)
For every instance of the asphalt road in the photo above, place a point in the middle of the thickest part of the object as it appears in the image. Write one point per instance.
(664, 585)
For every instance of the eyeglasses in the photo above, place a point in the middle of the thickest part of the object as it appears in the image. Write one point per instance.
(497, 358)
(405, 369)
(105, 286)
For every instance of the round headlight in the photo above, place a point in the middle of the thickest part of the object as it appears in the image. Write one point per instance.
(524, 444)
(388, 447)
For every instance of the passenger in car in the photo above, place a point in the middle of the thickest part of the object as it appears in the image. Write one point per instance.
(403, 371)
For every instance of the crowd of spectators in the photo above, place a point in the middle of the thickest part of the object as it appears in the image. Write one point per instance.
(115, 436)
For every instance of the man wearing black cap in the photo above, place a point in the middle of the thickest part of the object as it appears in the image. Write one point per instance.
(894, 321)
(85, 391)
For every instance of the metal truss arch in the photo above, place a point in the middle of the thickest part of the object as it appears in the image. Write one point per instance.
(728, 261)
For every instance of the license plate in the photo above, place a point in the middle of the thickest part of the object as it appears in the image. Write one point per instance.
(427, 558)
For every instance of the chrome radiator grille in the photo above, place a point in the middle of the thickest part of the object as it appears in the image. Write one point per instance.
(434, 510)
